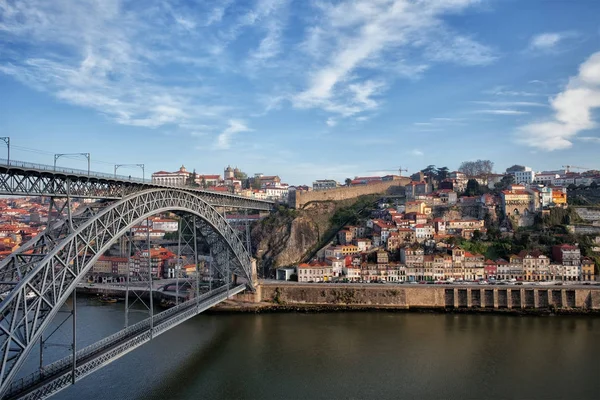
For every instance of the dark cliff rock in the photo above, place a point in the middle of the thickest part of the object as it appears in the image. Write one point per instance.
(285, 237)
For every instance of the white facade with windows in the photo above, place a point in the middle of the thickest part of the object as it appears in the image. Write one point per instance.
(526, 177)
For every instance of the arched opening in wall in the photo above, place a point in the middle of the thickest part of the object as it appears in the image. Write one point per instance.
(516, 211)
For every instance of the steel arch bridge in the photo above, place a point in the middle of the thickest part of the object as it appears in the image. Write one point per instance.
(38, 278)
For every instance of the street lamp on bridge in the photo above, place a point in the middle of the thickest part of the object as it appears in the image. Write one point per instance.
(142, 166)
(86, 155)
(6, 140)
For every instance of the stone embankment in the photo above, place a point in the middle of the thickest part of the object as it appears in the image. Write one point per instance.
(331, 297)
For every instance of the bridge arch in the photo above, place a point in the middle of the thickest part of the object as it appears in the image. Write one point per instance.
(23, 317)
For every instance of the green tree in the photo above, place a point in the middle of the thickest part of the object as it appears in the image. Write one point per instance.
(572, 186)
(473, 188)
(191, 180)
(430, 173)
(477, 236)
(348, 182)
(239, 175)
(203, 184)
(593, 185)
(505, 182)
(256, 184)
(442, 173)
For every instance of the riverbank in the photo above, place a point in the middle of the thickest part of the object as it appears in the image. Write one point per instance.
(519, 300)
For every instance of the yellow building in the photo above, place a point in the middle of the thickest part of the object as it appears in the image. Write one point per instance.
(587, 269)
(559, 198)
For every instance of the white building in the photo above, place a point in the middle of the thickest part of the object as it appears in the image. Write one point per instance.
(163, 224)
(546, 178)
(276, 192)
(525, 177)
(177, 178)
(324, 184)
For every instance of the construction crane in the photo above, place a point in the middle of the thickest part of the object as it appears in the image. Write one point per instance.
(399, 170)
(568, 167)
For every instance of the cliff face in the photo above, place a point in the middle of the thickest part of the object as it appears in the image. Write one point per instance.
(284, 237)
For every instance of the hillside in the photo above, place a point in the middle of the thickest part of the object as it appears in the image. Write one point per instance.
(288, 236)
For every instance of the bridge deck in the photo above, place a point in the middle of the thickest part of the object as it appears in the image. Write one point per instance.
(29, 179)
(58, 375)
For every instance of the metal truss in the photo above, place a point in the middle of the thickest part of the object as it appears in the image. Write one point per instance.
(57, 375)
(37, 284)
(30, 180)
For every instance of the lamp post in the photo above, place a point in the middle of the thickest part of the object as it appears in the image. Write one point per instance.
(86, 155)
(142, 166)
(6, 140)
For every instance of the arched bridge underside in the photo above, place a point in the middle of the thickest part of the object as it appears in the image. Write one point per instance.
(40, 276)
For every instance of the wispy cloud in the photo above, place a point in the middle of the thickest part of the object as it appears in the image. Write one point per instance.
(549, 41)
(417, 152)
(371, 35)
(331, 122)
(504, 91)
(224, 139)
(511, 103)
(501, 112)
(572, 111)
(117, 57)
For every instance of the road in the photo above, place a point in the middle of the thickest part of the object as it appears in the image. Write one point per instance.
(462, 285)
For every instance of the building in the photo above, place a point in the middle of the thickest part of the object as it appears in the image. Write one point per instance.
(525, 177)
(314, 272)
(588, 269)
(566, 254)
(324, 184)
(177, 178)
(516, 201)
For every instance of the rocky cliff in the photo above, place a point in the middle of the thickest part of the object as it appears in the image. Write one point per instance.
(288, 236)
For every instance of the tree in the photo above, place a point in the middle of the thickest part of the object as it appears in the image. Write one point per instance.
(348, 182)
(203, 184)
(505, 182)
(477, 236)
(442, 173)
(572, 186)
(430, 172)
(593, 185)
(476, 168)
(473, 188)
(239, 175)
(256, 184)
(191, 180)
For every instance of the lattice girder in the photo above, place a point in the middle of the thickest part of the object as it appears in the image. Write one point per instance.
(47, 283)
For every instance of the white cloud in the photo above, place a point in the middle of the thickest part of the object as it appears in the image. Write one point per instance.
(417, 152)
(511, 103)
(545, 40)
(114, 56)
(572, 111)
(503, 91)
(331, 122)
(373, 36)
(423, 123)
(225, 137)
(501, 112)
(549, 40)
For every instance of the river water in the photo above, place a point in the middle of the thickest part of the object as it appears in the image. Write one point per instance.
(361, 355)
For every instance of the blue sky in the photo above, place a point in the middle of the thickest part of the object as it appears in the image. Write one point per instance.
(307, 89)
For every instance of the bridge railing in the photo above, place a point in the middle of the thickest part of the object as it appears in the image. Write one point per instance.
(101, 175)
(60, 365)
(74, 171)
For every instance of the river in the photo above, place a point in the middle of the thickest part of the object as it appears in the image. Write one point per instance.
(374, 355)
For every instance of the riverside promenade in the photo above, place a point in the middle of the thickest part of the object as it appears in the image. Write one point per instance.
(576, 298)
